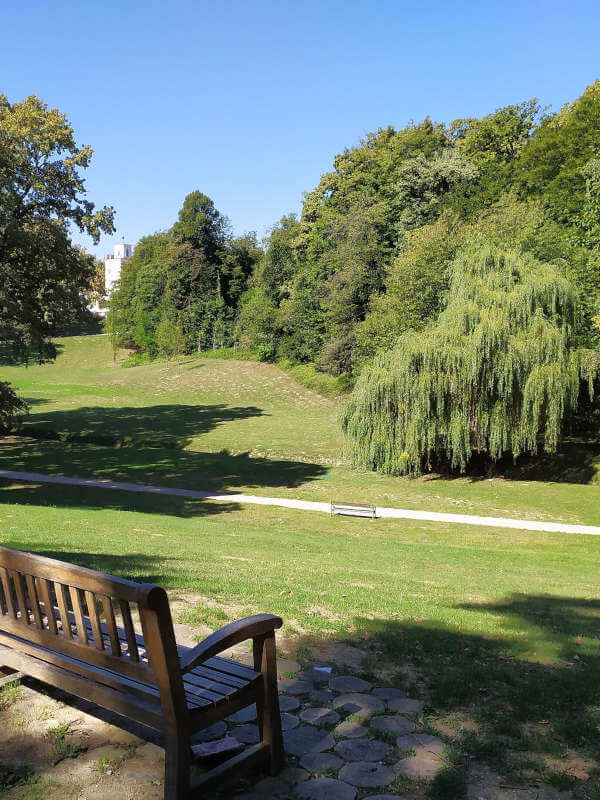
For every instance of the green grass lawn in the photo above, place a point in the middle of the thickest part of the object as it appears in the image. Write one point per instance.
(244, 426)
(503, 624)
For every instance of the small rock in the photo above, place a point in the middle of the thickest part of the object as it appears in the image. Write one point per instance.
(321, 696)
(326, 789)
(363, 704)
(295, 687)
(319, 716)
(307, 739)
(397, 725)
(288, 703)
(315, 675)
(289, 721)
(350, 730)
(348, 683)
(247, 733)
(362, 749)
(366, 774)
(293, 775)
(247, 714)
(215, 731)
(320, 762)
(427, 759)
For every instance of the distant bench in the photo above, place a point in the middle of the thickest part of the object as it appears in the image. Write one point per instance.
(354, 509)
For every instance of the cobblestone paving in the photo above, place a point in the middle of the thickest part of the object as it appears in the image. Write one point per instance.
(345, 740)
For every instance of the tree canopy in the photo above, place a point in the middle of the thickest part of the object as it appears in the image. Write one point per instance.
(43, 276)
(495, 374)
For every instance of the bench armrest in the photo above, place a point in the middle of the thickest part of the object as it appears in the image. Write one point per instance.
(233, 633)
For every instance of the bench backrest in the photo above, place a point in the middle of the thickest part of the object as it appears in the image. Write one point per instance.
(77, 612)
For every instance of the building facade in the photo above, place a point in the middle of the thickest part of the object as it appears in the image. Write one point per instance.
(112, 272)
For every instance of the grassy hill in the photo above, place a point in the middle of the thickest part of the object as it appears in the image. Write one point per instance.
(503, 625)
(237, 425)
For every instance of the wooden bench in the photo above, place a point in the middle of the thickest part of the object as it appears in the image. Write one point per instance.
(59, 623)
(354, 509)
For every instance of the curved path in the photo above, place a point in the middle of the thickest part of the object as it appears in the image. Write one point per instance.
(306, 505)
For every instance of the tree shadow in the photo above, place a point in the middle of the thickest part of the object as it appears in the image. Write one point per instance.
(578, 461)
(59, 496)
(221, 472)
(531, 695)
(144, 426)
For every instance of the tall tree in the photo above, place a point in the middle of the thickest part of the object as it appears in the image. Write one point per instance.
(496, 374)
(43, 277)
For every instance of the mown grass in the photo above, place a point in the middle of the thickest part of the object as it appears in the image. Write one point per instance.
(245, 426)
(502, 624)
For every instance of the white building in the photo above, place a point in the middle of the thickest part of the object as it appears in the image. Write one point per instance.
(113, 263)
(112, 272)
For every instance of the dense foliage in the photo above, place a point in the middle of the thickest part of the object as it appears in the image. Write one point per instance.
(495, 374)
(43, 277)
(370, 271)
(180, 289)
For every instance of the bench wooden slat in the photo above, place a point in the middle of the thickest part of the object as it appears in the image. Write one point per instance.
(17, 579)
(111, 626)
(129, 631)
(61, 596)
(34, 603)
(80, 626)
(45, 587)
(4, 579)
(92, 607)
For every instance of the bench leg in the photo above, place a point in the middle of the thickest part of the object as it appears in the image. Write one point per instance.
(177, 766)
(269, 717)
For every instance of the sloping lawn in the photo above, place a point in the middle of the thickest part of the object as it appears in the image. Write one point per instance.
(244, 426)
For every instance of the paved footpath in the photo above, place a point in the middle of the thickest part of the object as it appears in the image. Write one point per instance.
(306, 505)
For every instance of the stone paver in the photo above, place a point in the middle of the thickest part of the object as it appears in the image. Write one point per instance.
(320, 762)
(350, 730)
(247, 714)
(307, 739)
(355, 703)
(248, 734)
(289, 721)
(295, 687)
(315, 675)
(319, 716)
(326, 789)
(215, 731)
(366, 774)
(348, 683)
(397, 724)
(362, 749)
(288, 703)
(405, 705)
(383, 797)
(388, 693)
(321, 696)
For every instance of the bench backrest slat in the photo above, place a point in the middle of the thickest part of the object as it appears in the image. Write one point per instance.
(72, 611)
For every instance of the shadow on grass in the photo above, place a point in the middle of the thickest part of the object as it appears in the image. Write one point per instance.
(58, 496)
(578, 461)
(531, 698)
(144, 426)
(184, 469)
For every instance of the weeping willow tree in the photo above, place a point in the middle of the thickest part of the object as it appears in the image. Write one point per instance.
(497, 373)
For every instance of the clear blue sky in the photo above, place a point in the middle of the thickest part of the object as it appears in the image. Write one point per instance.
(249, 101)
